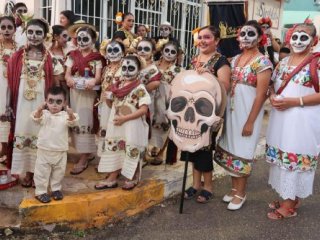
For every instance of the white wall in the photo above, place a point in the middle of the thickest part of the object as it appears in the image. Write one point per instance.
(33, 6)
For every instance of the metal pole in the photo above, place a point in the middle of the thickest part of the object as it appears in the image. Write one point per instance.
(184, 182)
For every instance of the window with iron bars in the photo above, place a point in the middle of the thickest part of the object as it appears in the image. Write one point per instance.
(46, 9)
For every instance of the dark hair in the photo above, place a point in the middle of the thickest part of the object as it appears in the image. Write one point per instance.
(127, 14)
(10, 18)
(146, 39)
(214, 30)
(174, 43)
(69, 15)
(256, 25)
(39, 22)
(57, 91)
(119, 34)
(91, 32)
(123, 48)
(133, 58)
(311, 26)
(284, 50)
(17, 5)
(57, 29)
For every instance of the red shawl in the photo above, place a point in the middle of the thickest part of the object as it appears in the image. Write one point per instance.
(124, 91)
(14, 73)
(80, 62)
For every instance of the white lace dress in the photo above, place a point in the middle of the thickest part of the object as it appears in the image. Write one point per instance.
(293, 137)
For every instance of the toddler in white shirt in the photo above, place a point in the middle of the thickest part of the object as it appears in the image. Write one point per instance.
(52, 144)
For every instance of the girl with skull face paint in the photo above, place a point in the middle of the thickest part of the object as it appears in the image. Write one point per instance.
(150, 76)
(59, 50)
(251, 72)
(127, 131)
(160, 125)
(30, 72)
(111, 75)
(80, 63)
(7, 48)
(19, 9)
(293, 135)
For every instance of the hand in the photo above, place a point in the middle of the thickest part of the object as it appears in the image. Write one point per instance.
(119, 120)
(39, 110)
(71, 83)
(70, 113)
(90, 84)
(247, 129)
(202, 70)
(285, 103)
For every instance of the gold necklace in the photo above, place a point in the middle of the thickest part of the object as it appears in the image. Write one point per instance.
(33, 76)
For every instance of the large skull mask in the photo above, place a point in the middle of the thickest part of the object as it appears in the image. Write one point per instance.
(192, 109)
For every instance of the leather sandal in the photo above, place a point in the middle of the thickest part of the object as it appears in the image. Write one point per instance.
(43, 198)
(282, 213)
(57, 195)
(190, 193)
(129, 185)
(276, 204)
(105, 185)
(27, 182)
(205, 195)
(76, 170)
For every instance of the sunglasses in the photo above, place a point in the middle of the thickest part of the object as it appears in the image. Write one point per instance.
(9, 27)
(83, 39)
(146, 49)
(55, 101)
(173, 52)
(114, 50)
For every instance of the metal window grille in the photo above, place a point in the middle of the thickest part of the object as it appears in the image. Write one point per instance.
(46, 9)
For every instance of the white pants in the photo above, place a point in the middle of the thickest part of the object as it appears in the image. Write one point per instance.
(50, 167)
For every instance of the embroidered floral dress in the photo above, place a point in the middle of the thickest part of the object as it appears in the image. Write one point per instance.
(108, 78)
(160, 124)
(293, 137)
(26, 131)
(234, 152)
(124, 144)
(82, 102)
(4, 120)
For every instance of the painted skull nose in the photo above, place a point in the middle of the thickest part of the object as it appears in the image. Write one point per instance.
(189, 116)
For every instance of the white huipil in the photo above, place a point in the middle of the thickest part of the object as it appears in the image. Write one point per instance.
(81, 102)
(4, 124)
(293, 137)
(104, 110)
(124, 144)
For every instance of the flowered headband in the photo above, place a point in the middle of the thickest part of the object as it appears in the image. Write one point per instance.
(195, 33)
(265, 20)
(119, 18)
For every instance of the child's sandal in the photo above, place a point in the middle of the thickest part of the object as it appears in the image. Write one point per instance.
(43, 198)
(205, 195)
(57, 195)
(190, 193)
(278, 214)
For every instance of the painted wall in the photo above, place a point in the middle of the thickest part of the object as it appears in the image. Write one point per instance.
(32, 5)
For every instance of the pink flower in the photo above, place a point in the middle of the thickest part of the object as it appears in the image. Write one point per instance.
(292, 157)
(251, 78)
(121, 145)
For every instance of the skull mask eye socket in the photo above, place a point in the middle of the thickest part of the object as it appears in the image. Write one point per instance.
(242, 33)
(304, 38)
(251, 34)
(204, 107)
(294, 37)
(178, 104)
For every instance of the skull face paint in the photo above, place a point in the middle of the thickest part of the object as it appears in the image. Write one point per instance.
(144, 49)
(165, 31)
(84, 40)
(300, 41)
(114, 52)
(248, 37)
(192, 109)
(35, 35)
(7, 29)
(169, 53)
(129, 69)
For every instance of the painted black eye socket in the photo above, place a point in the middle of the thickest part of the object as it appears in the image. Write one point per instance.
(304, 38)
(294, 37)
(115, 50)
(39, 33)
(146, 49)
(83, 39)
(30, 32)
(9, 27)
(131, 68)
(204, 107)
(178, 104)
(173, 52)
(242, 34)
(251, 33)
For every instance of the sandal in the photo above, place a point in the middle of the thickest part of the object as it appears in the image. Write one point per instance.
(277, 214)
(27, 183)
(3, 159)
(276, 204)
(44, 198)
(105, 185)
(190, 193)
(79, 169)
(57, 195)
(206, 195)
(129, 185)
(156, 161)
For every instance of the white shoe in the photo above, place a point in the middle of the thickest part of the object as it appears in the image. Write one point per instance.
(226, 198)
(232, 206)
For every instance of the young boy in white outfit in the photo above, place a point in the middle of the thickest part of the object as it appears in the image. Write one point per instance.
(52, 144)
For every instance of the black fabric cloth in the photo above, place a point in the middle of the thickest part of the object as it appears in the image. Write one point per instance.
(220, 63)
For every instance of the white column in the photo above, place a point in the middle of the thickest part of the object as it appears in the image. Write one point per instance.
(57, 7)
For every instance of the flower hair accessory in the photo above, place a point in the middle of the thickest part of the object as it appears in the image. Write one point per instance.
(142, 61)
(264, 40)
(147, 28)
(195, 33)
(265, 20)
(119, 18)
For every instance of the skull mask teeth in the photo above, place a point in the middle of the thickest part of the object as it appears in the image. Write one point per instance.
(114, 52)
(191, 109)
(300, 41)
(129, 69)
(35, 35)
(169, 53)
(248, 37)
(84, 40)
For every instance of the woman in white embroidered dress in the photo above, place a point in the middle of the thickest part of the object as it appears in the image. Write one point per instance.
(293, 135)
(127, 131)
(251, 73)
(111, 75)
(7, 48)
